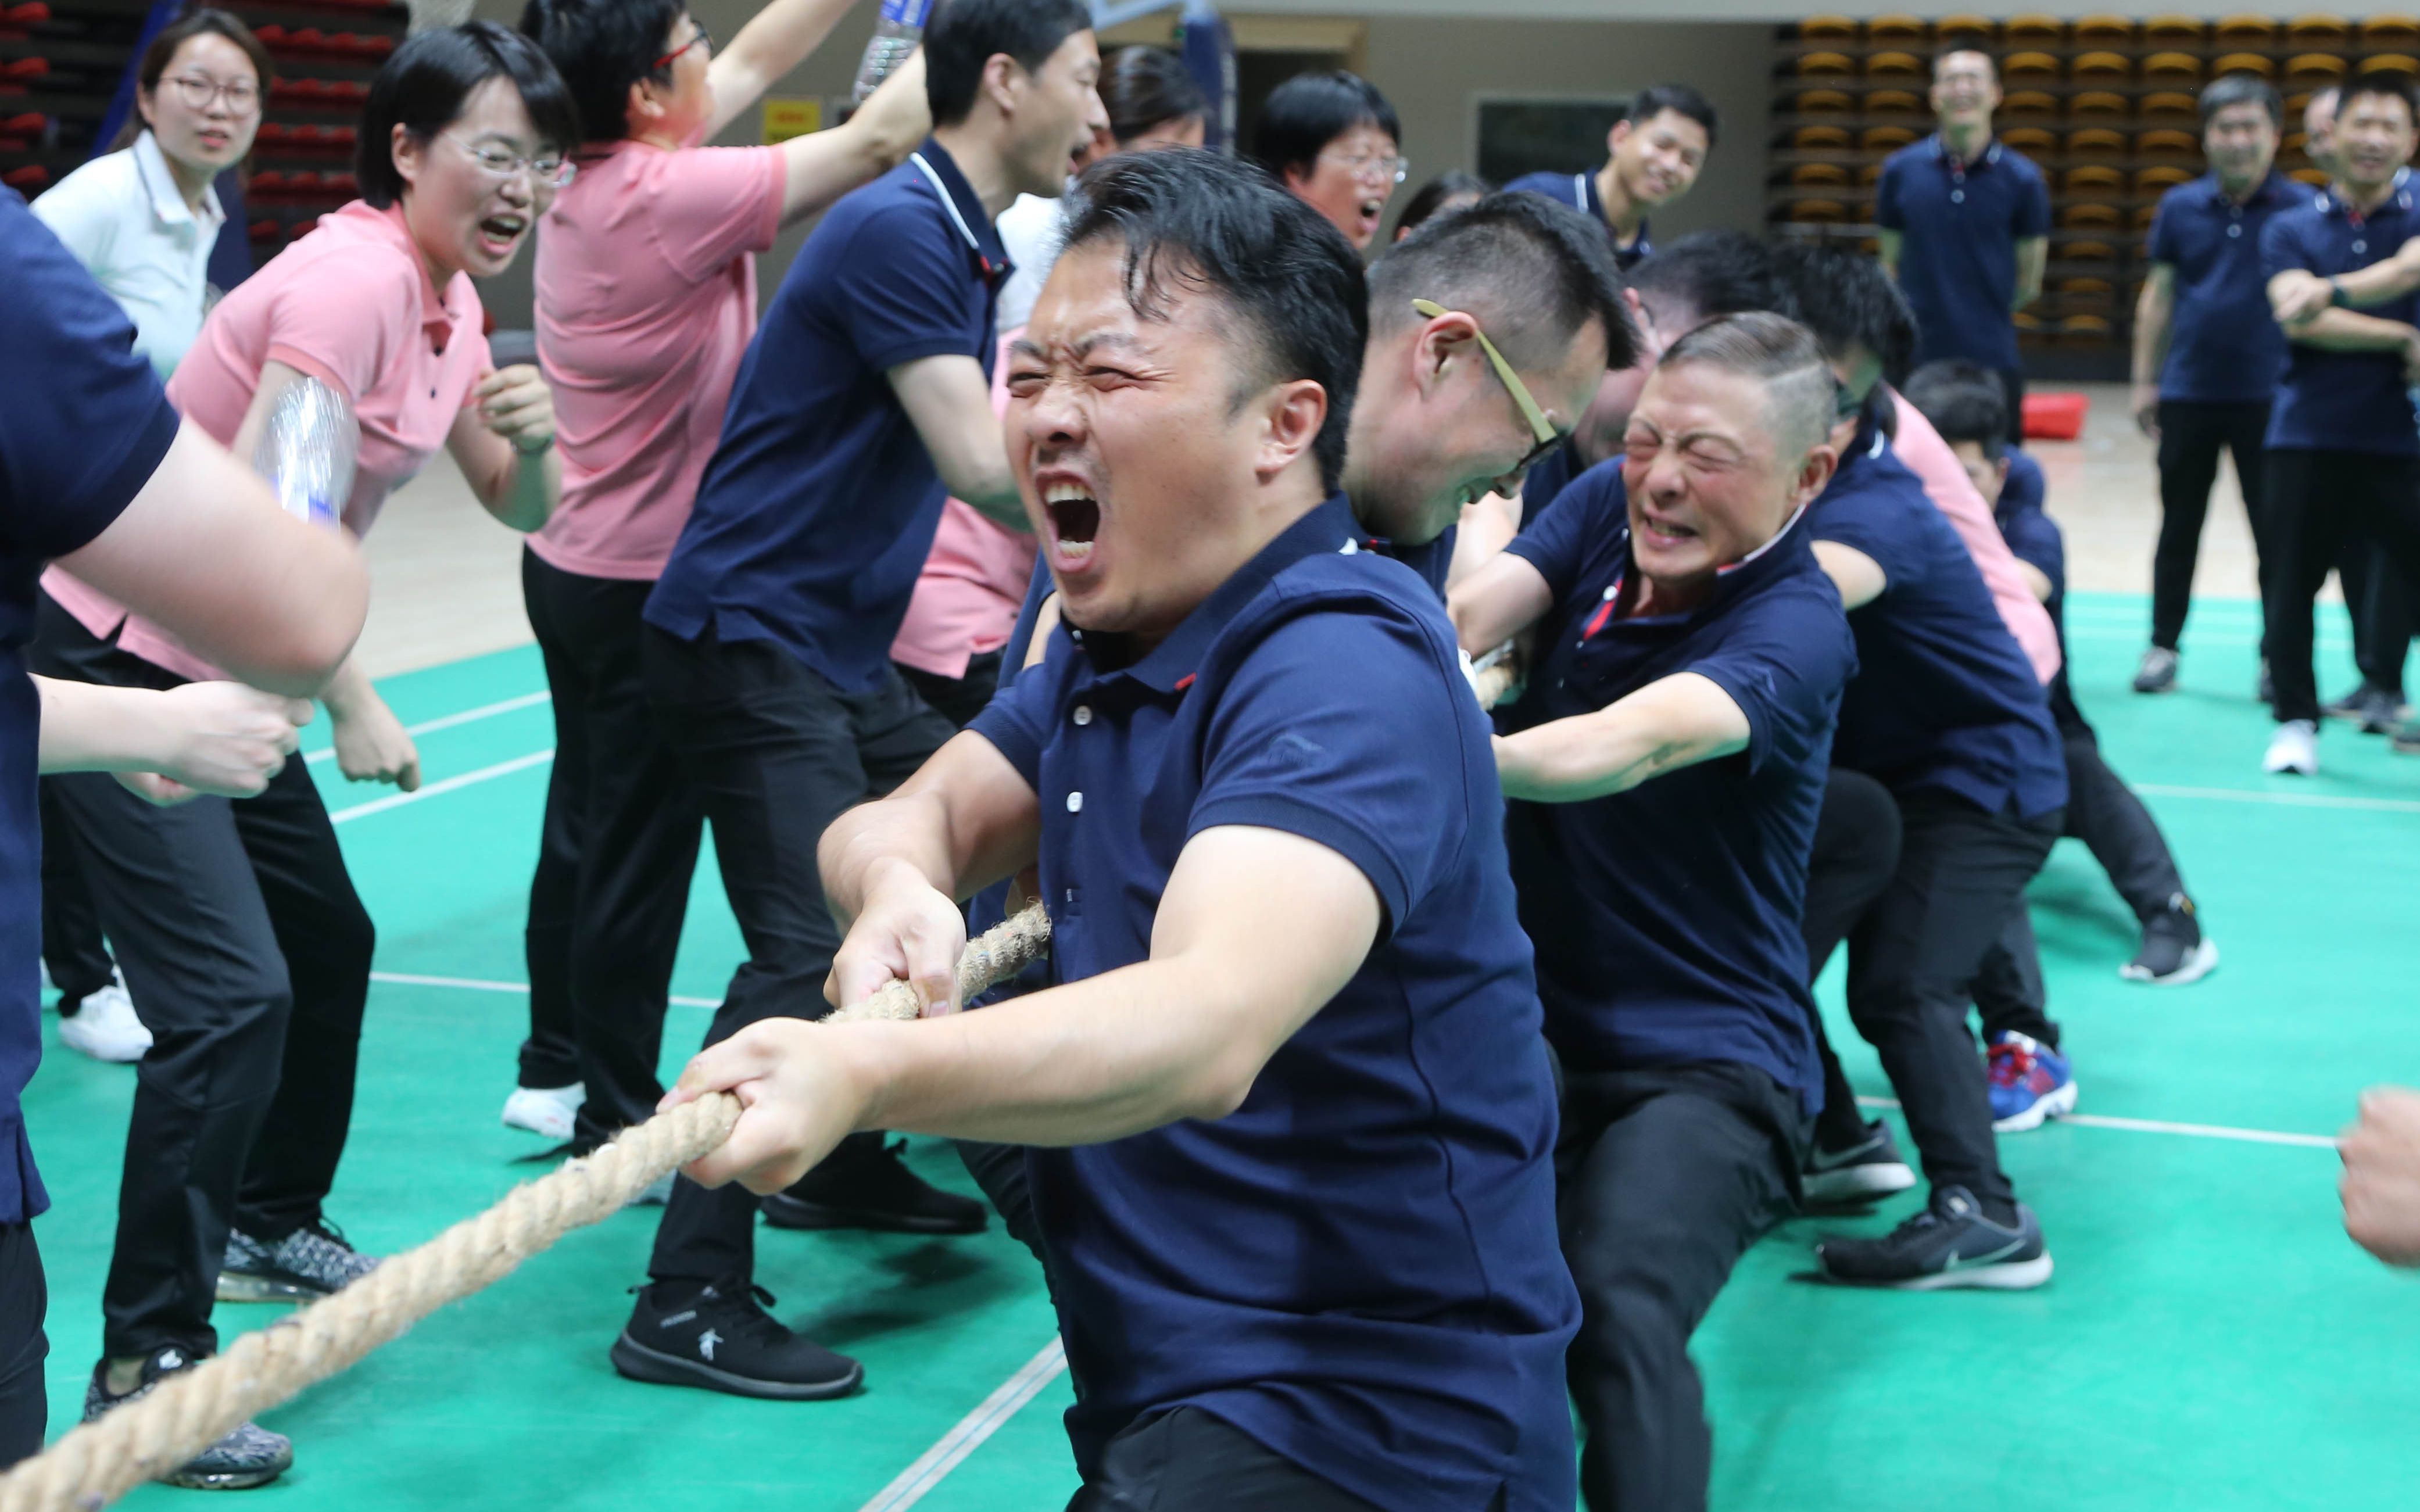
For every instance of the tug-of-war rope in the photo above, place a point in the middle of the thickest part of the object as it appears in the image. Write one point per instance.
(97, 1462)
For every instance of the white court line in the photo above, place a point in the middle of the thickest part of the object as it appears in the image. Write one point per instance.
(476, 984)
(485, 711)
(2297, 800)
(912, 1483)
(484, 774)
(2194, 1131)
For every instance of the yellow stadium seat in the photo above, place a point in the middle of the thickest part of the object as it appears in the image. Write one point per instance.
(2246, 31)
(2167, 145)
(1827, 29)
(2144, 216)
(1894, 103)
(2392, 63)
(2168, 105)
(2030, 328)
(2152, 182)
(1819, 175)
(2314, 71)
(1819, 212)
(1898, 29)
(1895, 66)
(2175, 31)
(2390, 31)
(2318, 31)
(2171, 68)
(2103, 31)
(2030, 140)
(2316, 177)
(2093, 178)
(1821, 139)
(1949, 28)
(1886, 139)
(1826, 66)
(1825, 102)
(2097, 105)
(2029, 105)
(2088, 252)
(1870, 175)
(2090, 217)
(2096, 141)
(2243, 62)
(2088, 289)
(2034, 31)
(2029, 65)
(2086, 326)
(2113, 68)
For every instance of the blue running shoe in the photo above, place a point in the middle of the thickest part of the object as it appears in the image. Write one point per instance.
(2030, 1083)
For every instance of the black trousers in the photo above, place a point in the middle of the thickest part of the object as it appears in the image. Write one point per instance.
(1856, 855)
(2190, 437)
(2319, 502)
(618, 848)
(774, 753)
(1914, 959)
(72, 947)
(1188, 1460)
(24, 1298)
(958, 699)
(1666, 1175)
(2012, 379)
(2381, 607)
(242, 938)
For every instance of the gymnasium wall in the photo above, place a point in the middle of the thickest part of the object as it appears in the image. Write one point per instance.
(1435, 69)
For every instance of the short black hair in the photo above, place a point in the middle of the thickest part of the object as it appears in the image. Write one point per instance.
(1146, 87)
(1847, 300)
(1707, 273)
(1965, 401)
(422, 84)
(1191, 220)
(2377, 82)
(1310, 109)
(964, 35)
(1681, 100)
(1964, 42)
(1437, 193)
(2241, 89)
(1535, 272)
(602, 48)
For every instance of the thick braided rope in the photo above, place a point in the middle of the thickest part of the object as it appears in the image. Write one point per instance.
(100, 1462)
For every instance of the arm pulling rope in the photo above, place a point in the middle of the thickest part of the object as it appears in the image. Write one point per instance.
(97, 1462)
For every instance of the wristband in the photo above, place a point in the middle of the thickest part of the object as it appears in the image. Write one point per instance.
(2336, 294)
(545, 445)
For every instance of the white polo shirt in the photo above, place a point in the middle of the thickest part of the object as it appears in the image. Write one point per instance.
(124, 219)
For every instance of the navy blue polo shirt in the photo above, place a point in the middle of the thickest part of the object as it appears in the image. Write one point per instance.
(1358, 1268)
(1666, 918)
(1578, 191)
(2224, 347)
(84, 427)
(818, 509)
(2343, 401)
(1943, 698)
(1958, 229)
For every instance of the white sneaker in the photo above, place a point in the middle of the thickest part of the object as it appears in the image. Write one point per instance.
(2294, 749)
(546, 1111)
(106, 1027)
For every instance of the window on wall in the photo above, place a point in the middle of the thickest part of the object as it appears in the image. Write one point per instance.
(1518, 135)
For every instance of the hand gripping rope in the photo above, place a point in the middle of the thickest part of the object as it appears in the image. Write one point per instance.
(100, 1461)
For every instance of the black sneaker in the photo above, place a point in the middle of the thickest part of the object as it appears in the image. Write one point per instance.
(2374, 709)
(1864, 1171)
(314, 1261)
(1950, 1243)
(720, 1337)
(2175, 951)
(864, 1184)
(2265, 690)
(2158, 672)
(247, 1457)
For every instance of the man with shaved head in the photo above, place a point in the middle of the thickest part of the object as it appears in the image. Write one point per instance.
(1689, 639)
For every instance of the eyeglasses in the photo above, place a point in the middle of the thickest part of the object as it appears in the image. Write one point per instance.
(548, 174)
(1548, 438)
(197, 91)
(1370, 167)
(699, 37)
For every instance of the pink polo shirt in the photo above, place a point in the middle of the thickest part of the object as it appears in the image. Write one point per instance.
(1952, 492)
(351, 304)
(974, 583)
(647, 297)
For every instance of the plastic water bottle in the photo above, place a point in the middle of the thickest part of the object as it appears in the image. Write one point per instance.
(895, 36)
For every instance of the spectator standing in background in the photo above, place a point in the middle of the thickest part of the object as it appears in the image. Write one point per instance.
(1965, 227)
(1654, 155)
(143, 220)
(1336, 142)
(2207, 356)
